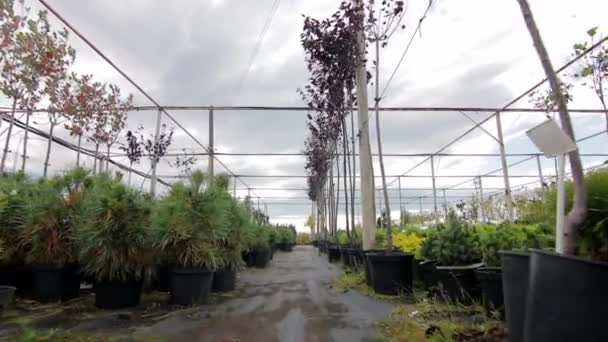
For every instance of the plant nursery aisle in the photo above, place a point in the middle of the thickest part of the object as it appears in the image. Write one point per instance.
(291, 300)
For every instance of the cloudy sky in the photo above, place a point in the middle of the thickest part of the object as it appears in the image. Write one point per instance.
(470, 53)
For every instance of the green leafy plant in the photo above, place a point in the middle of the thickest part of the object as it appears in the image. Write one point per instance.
(191, 221)
(15, 193)
(114, 233)
(454, 244)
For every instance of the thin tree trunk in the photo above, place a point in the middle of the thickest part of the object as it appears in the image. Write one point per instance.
(95, 158)
(130, 172)
(353, 171)
(389, 230)
(344, 159)
(48, 149)
(338, 187)
(578, 213)
(108, 158)
(8, 137)
(25, 139)
(78, 151)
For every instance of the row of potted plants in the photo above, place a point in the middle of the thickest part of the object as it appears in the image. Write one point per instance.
(76, 226)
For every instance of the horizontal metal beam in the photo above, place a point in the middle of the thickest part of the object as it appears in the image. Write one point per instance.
(357, 176)
(389, 189)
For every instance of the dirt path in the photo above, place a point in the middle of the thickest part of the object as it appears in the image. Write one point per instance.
(291, 300)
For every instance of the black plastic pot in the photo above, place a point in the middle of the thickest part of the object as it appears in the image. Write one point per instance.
(427, 274)
(458, 284)
(117, 294)
(566, 299)
(224, 279)
(71, 282)
(163, 275)
(333, 253)
(345, 256)
(289, 246)
(515, 276)
(490, 281)
(8, 273)
(25, 280)
(392, 273)
(47, 283)
(356, 257)
(261, 257)
(190, 285)
(248, 258)
(315, 244)
(368, 271)
(7, 294)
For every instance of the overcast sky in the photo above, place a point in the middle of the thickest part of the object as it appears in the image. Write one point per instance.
(470, 53)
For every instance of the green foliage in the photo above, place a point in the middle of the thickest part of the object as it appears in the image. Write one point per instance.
(258, 236)
(191, 221)
(232, 241)
(592, 235)
(286, 234)
(455, 244)
(303, 238)
(113, 234)
(15, 193)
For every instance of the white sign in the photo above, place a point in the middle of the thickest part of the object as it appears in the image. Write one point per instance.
(550, 139)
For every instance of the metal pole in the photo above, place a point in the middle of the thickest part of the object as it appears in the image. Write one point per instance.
(445, 205)
(481, 211)
(211, 143)
(561, 205)
(155, 157)
(266, 213)
(505, 169)
(400, 198)
(434, 190)
(234, 187)
(541, 179)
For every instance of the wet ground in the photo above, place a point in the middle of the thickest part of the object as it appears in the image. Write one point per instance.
(291, 300)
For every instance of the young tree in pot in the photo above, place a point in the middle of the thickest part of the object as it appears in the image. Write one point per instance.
(188, 222)
(457, 248)
(114, 238)
(259, 244)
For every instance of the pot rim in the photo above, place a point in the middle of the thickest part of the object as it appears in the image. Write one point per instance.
(461, 267)
(569, 257)
(514, 253)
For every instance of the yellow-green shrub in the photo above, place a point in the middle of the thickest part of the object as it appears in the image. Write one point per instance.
(408, 242)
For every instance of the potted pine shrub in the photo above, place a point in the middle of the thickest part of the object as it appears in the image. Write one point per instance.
(188, 223)
(259, 244)
(457, 248)
(114, 238)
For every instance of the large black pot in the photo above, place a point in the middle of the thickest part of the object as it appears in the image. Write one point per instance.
(8, 273)
(289, 247)
(117, 294)
(515, 276)
(490, 280)
(47, 283)
(71, 281)
(392, 273)
(224, 279)
(428, 275)
(345, 256)
(567, 299)
(162, 277)
(366, 264)
(261, 257)
(356, 257)
(458, 283)
(190, 285)
(248, 258)
(7, 294)
(333, 253)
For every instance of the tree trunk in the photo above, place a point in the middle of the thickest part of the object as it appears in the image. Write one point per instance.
(344, 159)
(130, 172)
(337, 189)
(25, 139)
(48, 149)
(8, 137)
(389, 230)
(108, 158)
(353, 171)
(368, 207)
(78, 151)
(577, 215)
(95, 158)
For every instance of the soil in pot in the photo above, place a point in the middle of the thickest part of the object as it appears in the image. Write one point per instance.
(392, 273)
(490, 281)
(261, 257)
(458, 284)
(515, 276)
(368, 271)
(190, 285)
(47, 283)
(117, 294)
(224, 279)
(566, 299)
(333, 253)
(71, 281)
(7, 294)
